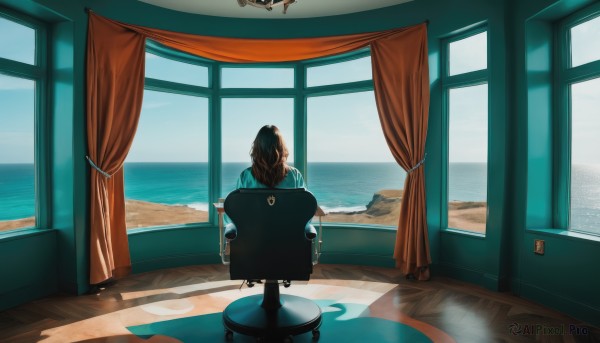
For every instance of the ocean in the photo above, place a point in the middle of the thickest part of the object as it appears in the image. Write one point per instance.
(16, 191)
(339, 187)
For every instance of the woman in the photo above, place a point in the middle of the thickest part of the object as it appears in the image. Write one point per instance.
(269, 169)
(269, 163)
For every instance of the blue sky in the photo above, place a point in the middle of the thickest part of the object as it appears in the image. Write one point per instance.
(16, 96)
(19, 45)
(172, 128)
(16, 120)
(585, 139)
(341, 128)
(585, 42)
(468, 124)
(242, 118)
(345, 128)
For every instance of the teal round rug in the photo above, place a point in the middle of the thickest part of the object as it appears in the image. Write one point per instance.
(342, 322)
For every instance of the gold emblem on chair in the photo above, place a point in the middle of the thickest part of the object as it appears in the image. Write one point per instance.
(271, 200)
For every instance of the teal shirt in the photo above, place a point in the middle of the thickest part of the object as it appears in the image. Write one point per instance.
(293, 179)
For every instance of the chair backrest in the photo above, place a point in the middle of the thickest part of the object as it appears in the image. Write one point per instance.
(270, 243)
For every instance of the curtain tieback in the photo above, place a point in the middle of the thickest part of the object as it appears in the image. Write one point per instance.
(106, 175)
(418, 164)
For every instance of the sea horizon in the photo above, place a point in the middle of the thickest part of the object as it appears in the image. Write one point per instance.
(338, 186)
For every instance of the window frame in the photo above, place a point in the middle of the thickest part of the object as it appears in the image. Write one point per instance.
(216, 93)
(220, 93)
(565, 76)
(448, 82)
(304, 92)
(329, 90)
(36, 72)
(163, 86)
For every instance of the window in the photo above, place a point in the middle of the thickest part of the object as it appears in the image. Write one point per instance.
(467, 157)
(241, 120)
(166, 170)
(19, 45)
(166, 69)
(468, 54)
(199, 119)
(585, 45)
(466, 97)
(246, 77)
(335, 73)
(21, 122)
(585, 159)
(579, 100)
(350, 168)
(17, 193)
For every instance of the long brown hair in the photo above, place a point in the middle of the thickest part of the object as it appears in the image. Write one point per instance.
(269, 156)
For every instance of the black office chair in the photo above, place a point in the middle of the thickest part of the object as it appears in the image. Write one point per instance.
(271, 239)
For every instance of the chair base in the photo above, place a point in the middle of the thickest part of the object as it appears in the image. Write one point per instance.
(296, 316)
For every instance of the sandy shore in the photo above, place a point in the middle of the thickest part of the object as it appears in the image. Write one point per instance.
(138, 214)
(467, 215)
(384, 209)
(145, 214)
(17, 224)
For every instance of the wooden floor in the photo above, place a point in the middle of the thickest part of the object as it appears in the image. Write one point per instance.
(443, 309)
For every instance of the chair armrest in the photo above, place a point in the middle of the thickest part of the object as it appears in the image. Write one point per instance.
(230, 231)
(310, 232)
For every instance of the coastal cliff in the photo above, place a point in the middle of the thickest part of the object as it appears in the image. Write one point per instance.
(383, 209)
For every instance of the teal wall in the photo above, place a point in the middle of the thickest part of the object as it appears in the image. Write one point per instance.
(520, 205)
(28, 266)
(153, 249)
(565, 277)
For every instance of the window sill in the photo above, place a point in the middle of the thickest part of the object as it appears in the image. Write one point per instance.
(195, 226)
(469, 234)
(22, 233)
(577, 236)
(192, 226)
(357, 226)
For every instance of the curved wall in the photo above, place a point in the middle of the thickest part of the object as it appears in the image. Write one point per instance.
(347, 244)
(153, 249)
(500, 259)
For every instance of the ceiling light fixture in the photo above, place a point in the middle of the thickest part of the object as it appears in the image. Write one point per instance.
(267, 4)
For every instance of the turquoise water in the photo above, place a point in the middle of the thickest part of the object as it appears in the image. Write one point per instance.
(337, 186)
(17, 196)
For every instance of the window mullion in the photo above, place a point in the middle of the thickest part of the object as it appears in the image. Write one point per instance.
(20, 69)
(214, 138)
(581, 73)
(300, 143)
(351, 87)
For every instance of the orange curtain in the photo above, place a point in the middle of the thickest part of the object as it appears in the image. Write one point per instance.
(115, 86)
(402, 96)
(114, 95)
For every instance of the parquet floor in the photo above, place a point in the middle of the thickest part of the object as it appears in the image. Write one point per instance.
(443, 309)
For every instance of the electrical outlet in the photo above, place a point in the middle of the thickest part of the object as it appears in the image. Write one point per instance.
(538, 247)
